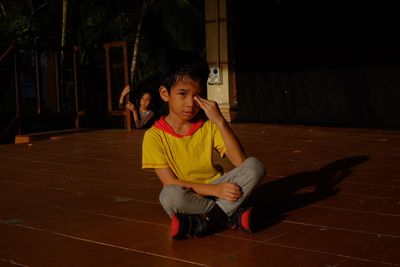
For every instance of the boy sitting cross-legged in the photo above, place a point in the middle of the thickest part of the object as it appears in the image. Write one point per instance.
(197, 196)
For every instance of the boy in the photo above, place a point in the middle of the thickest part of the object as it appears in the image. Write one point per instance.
(197, 196)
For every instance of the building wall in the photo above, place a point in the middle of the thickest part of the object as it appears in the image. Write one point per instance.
(223, 92)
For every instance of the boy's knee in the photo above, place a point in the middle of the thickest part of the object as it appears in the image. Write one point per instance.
(256, 167)
(172, 196)
(168, 193)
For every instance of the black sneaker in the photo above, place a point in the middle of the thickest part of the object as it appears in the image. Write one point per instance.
(241, 219)
(189, 225)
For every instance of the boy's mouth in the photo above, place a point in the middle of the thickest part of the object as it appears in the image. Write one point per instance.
(188, 113)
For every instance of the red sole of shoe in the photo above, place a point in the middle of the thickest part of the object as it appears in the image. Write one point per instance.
(245, 220)
(175, 223)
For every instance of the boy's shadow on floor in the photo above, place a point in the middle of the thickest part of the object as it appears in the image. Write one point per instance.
(272, 200)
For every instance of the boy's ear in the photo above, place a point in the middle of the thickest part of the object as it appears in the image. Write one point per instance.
(164, 93)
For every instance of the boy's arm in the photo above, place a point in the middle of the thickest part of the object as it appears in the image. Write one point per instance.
(227, 191)
(234, 149)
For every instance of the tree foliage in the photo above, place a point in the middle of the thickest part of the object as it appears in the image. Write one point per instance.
(26, 22)
(168, 25)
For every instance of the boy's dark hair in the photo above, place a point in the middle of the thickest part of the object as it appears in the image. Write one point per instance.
(184, 63)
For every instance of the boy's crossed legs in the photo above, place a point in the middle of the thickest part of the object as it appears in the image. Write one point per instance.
(194, 215)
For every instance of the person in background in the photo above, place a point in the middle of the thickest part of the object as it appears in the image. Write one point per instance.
(142, 116)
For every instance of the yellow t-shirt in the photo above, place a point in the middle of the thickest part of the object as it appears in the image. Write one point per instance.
(189, 156)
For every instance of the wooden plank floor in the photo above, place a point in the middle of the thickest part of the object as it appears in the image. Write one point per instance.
(330, 198)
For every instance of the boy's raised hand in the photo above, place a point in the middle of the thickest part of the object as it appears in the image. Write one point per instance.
(211, 109)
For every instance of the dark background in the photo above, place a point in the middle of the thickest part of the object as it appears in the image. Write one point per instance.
(317, 62)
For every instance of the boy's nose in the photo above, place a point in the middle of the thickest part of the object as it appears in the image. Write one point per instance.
(193, 103)
(190, 101)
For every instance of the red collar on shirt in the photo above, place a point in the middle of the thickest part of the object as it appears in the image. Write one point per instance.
(165, 127)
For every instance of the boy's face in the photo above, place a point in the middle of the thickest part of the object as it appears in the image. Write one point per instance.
(181, 98)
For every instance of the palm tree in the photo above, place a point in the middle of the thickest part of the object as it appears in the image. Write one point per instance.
(159, 27)
(64, 22)
(145, 5)
(165, 26)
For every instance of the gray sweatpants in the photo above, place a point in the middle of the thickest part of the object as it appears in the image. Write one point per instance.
(177, 199)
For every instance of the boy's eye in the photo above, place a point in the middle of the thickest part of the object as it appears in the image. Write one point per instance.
(182, 93)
